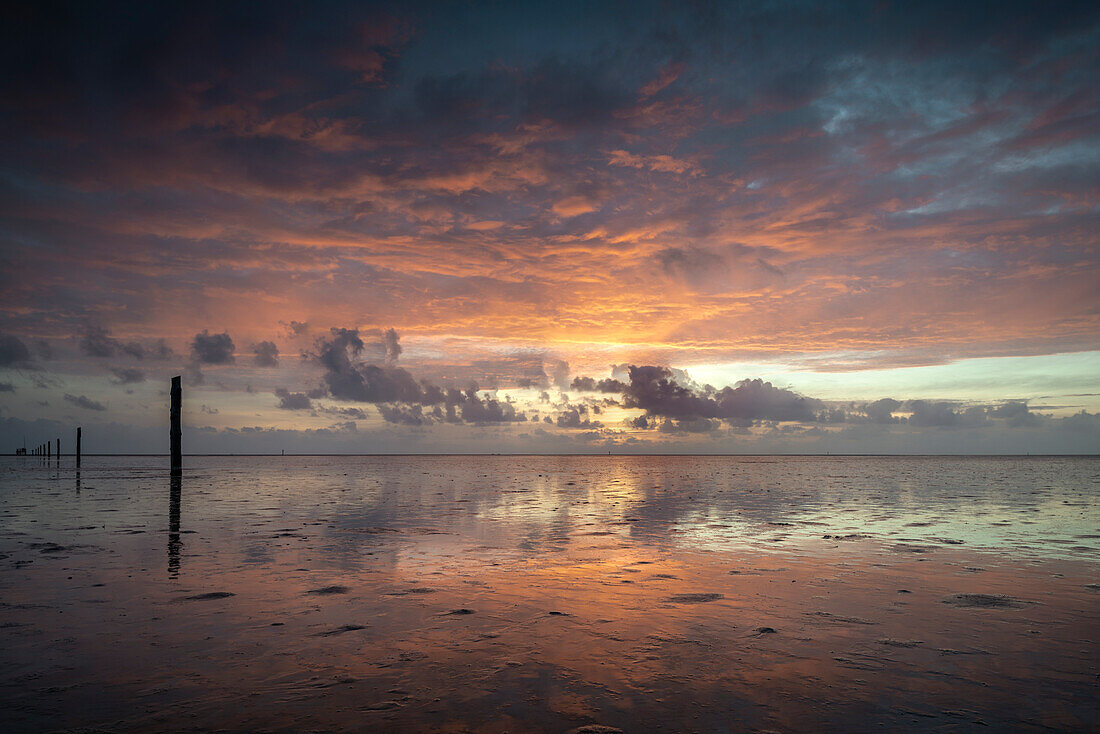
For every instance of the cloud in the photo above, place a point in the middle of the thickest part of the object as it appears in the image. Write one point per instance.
(589, 384)
(559, 374)
(127, 375)
(882, 411)
(1016, 414)
(364, 383)
(210, 348)
(13, 352)
(400, 397)
(653, 390)
(575, 418)
(266, 354)
(926, 413)
(393, 346)
(295, 328)
(98, 342)
(82, 401)
(7, 387)
(293, 400)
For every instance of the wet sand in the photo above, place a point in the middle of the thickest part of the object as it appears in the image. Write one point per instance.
(550, 593)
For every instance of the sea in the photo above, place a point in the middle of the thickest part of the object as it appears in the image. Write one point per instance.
(550, 594)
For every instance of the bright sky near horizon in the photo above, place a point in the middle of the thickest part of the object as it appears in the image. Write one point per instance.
(714, 227)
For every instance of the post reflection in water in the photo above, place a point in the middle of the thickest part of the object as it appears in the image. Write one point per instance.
(174, 494)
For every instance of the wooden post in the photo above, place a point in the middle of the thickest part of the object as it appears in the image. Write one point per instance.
(176, 431)
(58, 452)
(78, 446)
(49, 451)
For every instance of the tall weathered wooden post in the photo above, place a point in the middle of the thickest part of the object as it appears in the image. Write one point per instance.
(176, 432)
(78, 446)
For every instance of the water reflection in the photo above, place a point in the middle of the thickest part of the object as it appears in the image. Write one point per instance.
(545, 593)
(175, 493)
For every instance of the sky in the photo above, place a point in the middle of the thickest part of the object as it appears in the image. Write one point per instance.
(766, 227)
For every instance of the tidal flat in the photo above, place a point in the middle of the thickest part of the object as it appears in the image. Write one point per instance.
(550, 593)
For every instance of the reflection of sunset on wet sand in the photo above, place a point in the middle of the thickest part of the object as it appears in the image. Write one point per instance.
(542, 593)
(565, 367)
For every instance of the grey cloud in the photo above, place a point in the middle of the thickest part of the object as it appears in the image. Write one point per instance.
(882, 411)
(574, 418)
(654, 390)
(559, 374)
(943, 414)
(688, 425)
(589, 384)
(7, 387)
(397, 390)
(13, 352)
(409, 415)
(82, 401)
(128, 375)
(393, 347)
(1016, 414)
(98, 342)
(266, 353)
(210, 348)
(293, 400)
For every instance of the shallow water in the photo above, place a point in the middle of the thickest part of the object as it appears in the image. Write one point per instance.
(545, 593)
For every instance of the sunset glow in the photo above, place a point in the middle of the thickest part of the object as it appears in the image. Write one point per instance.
(853, 203)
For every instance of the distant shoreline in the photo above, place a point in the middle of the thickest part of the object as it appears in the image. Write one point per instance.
(614, 455)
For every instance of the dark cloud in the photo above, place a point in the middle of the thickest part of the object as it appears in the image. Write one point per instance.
(882, 411)
(408, 415)
(395, 388)
(295, 328)
(926, 413)
(653, 390)
(210, 348)
(364, 383)
(1016, 414)
(44, 350)
(688, 425)
(392, 345)
(589, 384)
(266, 354)
(293, 400)
(82, 401)
(7, 387)
(98, 342)
(574, 418)
(128, 375)
(13, 352)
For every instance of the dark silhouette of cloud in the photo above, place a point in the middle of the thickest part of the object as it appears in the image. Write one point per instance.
(210, 348)
(13, 352)
(400, 397)
(1016, 414)
(293, 400)
(7, 387)
(653, 390)
(98, 342)
(574, 418)
(128, 375)
(882, 411)
(266, 354)
(392, 344)
(589, 384)
(82, 401)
